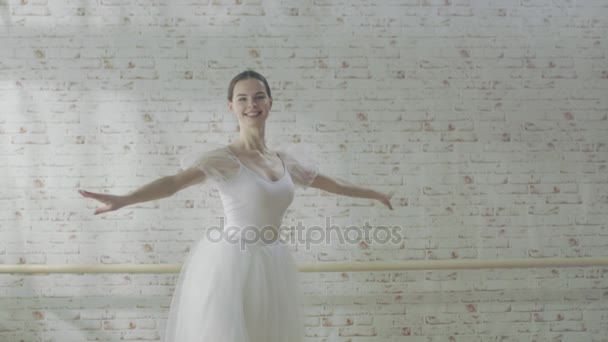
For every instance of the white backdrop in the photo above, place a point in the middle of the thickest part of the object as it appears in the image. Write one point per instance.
(489, 120)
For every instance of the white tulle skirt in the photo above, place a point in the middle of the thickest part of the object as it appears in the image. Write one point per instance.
(227, 293)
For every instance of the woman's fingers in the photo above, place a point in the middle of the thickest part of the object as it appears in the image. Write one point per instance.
(90, 194)
(111, 202)
(102, 210)
(386, 200)
(93, 195)
(388, 204)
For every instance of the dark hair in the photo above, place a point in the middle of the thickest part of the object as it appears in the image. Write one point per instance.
(245, 75)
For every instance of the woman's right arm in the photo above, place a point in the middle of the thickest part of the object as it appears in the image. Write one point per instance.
(165, 186)
(160, 188)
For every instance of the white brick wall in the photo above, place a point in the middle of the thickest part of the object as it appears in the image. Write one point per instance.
(488, 118)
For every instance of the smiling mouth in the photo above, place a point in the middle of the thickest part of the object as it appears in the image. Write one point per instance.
(253, 115)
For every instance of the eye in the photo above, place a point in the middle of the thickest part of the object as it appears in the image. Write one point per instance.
(261, 97)
(241, 99)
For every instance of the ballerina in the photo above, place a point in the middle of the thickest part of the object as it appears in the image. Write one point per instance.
(240, 289)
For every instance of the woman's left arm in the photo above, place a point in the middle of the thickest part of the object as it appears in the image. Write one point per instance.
(344, 188)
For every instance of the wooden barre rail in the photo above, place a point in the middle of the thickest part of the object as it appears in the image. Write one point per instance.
(414, 265)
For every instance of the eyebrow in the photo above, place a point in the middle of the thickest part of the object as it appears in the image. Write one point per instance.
(259, 92)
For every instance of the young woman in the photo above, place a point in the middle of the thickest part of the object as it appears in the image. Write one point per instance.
(238, 288)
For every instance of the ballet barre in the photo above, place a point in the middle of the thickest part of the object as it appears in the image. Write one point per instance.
(409, 265)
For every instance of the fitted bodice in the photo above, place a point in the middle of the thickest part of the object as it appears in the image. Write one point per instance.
(254, 203)
(250, 201)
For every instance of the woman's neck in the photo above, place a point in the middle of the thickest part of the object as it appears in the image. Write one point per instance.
(252, 140)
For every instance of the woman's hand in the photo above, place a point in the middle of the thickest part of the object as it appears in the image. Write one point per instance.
(112, 202)
(386, 199)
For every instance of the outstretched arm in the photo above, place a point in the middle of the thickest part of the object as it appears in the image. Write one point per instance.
(163, 187)
(344, 188)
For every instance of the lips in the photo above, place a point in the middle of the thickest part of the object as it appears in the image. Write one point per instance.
(253, 115)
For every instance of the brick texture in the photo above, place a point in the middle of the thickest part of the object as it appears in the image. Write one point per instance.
(488, 119)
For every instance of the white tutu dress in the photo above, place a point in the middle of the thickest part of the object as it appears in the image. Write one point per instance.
(241, 286)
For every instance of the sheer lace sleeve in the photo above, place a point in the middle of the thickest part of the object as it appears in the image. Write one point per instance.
(301, 170)
(218, 163)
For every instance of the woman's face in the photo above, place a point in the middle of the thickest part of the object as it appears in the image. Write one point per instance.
(250, 102)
